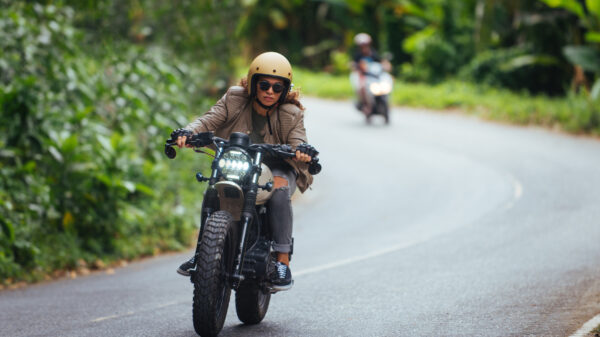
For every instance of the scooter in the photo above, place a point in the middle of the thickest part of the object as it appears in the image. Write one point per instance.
(377, 87)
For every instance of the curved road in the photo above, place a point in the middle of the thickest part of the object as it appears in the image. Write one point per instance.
(437, 225)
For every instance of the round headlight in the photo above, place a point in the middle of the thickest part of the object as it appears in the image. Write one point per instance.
(385, 87)
(234, 164)
(375, 89)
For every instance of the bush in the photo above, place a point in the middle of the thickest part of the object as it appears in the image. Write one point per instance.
(340, 62)
(517, 69)
(436, 59)
(83, 176)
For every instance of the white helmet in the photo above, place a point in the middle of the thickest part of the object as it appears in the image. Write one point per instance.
(362, 38)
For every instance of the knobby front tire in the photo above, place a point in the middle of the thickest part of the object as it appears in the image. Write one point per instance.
(211, 289)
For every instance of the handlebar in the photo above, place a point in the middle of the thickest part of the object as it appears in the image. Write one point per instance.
(202, 139)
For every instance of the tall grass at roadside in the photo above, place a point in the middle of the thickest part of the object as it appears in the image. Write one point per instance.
(574, 113)
(322, 84)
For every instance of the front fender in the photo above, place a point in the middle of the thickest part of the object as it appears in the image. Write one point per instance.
(231, 198)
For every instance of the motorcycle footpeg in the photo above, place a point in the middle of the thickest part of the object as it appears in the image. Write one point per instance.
(237, 279)
(275, 289)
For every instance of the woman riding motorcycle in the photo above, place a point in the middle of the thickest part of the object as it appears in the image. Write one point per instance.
(264, 107)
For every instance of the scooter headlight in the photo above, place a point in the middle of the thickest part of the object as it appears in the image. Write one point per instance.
(375, 89)
(234, 164)
(385, 88)
(380, 88)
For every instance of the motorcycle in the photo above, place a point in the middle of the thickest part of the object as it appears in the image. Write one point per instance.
(377, 88)
(234, 248)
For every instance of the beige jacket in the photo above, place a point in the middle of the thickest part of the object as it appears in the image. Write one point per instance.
(233, 113)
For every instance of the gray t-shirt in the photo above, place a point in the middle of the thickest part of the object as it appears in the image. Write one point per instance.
(257, 136)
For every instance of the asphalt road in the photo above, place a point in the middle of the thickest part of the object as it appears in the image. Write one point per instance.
(437, 225)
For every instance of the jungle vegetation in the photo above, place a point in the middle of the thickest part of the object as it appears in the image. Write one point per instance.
(89, 91)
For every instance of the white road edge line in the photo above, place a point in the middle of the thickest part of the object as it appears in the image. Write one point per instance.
(100, 319)
(518, 189)
(129, 313)
(518, 192)
(587, 327)
(358, 258)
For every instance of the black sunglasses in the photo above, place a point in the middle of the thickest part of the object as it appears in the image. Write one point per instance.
(265, 85)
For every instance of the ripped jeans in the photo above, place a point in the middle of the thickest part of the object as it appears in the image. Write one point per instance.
(280, 210)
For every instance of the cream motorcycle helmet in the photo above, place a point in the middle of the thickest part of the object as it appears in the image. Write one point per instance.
(270, 64)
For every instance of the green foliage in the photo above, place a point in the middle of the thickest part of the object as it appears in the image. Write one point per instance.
(586, 56)
(82, 172)
(575, 113)
(570, 5)
(340, 62)
(433, 40)
(519, 47)
(201, 32)
(302, 30)
(444, 44)
(595, 92)
(198, 32)
(323, 85)
(515, 68)
(434, 60)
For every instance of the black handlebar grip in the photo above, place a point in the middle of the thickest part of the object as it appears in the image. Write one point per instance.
(170, 152)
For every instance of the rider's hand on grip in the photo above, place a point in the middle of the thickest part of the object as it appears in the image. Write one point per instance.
(180, 133)
(169, 150)
(175, 135)
(314, 167)
(307, 149)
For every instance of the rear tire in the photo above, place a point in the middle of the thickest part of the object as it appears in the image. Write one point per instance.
(211, 287)
(251, 303)
(383, 109)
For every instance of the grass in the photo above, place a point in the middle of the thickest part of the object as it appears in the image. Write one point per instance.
(574, 113)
